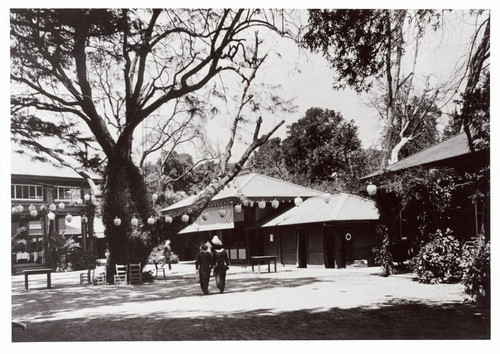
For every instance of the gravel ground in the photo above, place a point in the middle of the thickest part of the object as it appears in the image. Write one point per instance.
(292, 304)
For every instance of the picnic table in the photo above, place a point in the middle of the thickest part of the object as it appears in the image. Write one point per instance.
(29, 272)
(263, 259)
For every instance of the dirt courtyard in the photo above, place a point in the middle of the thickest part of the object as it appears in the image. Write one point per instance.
(292, 304)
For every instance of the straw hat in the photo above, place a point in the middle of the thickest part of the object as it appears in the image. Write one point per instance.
(216, 241)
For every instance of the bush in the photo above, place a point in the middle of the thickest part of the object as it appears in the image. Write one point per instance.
(439, 260)
(476, 270)
(383, 256)
(81, 259)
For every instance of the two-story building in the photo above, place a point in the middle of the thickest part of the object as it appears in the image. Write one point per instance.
(47, 199)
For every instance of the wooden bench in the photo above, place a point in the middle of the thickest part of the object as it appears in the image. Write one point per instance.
(29, 272)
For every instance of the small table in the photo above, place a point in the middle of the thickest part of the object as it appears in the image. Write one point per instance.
(28, 272)
(259, 259)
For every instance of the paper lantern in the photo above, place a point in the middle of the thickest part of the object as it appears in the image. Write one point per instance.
(43, 207)
(371, 189)
(61, 205)
(151, 220)
(185, 218)
(262, 204)
(31, 207)
(51, 215)
(34, 213)
(238, 208)
(222, 212)
(298, 201)
(327, 197)
(20, 208)
(117, 221)
(79, 201)
(168, 219)
(434, 173)
(69, 217)
(52, 207)
(84, 219)
(155, 197)
(86, 197)
(15, 210)
(204, 215)
(275, 204)
(134, 222)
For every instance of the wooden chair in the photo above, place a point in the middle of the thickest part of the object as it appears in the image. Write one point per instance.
(162, 267)
(99, 277)
(121, 274)
(135, 273)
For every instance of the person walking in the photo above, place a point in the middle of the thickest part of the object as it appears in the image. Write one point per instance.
(220, 262)
(203, 266)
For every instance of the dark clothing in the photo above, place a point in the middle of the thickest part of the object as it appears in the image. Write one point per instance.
(221, 263)
(204, 265)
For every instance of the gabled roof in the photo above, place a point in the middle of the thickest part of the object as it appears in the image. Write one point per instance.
(340, 207)
(449, 148)
(254, 186)
(22, 164)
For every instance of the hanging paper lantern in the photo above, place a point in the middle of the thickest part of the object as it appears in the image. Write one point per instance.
(298, 201)
(43, 207)
(69, 217)
(327, 197)
(155, 197)
(262, 204)
(84, 219)
(204, 215)
(31, 207)
(51, 215)
(371, 189)
(15, 210)
(34, 213)
(185, 218)
(61, 205)
(151, 220)
(20, 208)
(434, 174)
(52, 207)
(238, 208)
(134, 222)
(222, 212)
(86, 197)
(275, 204)
(79, 201)
(117, 221)
(245, 202)
(168, 219)
(251, 203)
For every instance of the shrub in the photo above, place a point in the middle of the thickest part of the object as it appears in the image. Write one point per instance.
(382, 254)
(81, 259)
(438, 261)
(476, 270)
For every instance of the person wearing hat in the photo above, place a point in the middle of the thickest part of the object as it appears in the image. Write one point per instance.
(203, 266)
(220, 262)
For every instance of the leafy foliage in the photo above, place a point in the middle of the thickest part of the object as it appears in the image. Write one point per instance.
(439, 260)
(383, 256)
(476, 265)
(79, 259)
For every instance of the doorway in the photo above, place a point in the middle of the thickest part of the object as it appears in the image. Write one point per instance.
(334, 247)
(301, 248)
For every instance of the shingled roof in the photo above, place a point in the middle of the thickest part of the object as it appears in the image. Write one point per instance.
(449, 148)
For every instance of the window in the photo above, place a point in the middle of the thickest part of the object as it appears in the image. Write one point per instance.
(26, 191)
(68, 193)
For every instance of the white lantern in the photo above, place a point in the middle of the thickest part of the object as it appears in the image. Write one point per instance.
(61, 205)
(134, 222)
(20, 208)
(168, 219)
(434, 173)
(79, 201)
(245, 202)
(43, 207)
(251, 204)
(151, 220)
(327, 197)
(32, 207)
(69, 217)
(298, 201)
(238, 208)
(275, 204)
(15, 210)
(204, 215)
(34, 213)
(84, 219)
(222, 212)
(51, 215)
(371, 189)
(86, 197)
(52, 207)
(117, 221)
(185, 218)
(155, 197)
(262, 204)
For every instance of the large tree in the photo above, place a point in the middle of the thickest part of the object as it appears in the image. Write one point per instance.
(94, 79)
